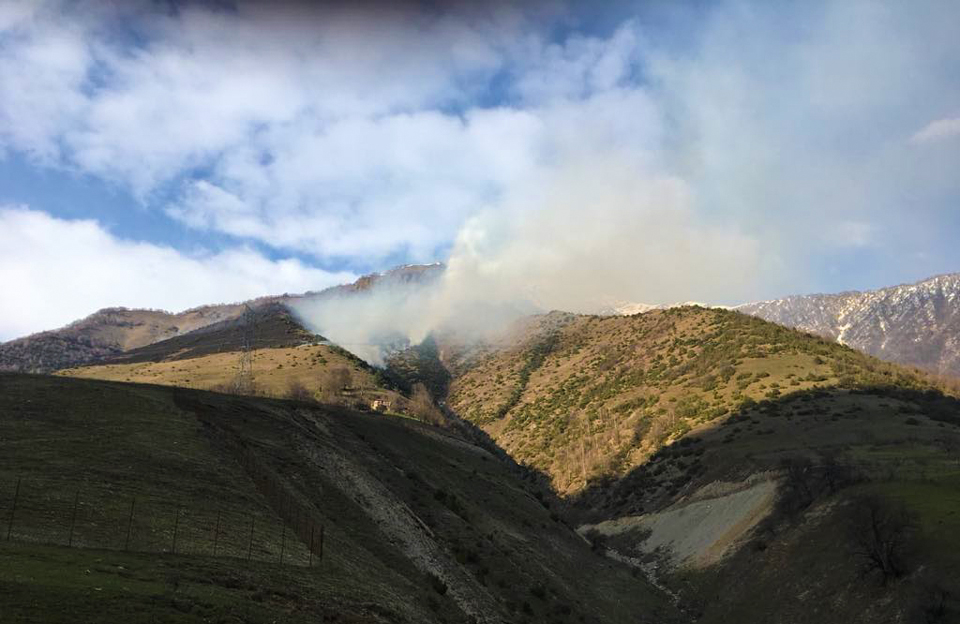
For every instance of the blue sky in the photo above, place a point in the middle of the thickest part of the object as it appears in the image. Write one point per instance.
(654, 151)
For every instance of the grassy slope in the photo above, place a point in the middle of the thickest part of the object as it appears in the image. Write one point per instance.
(631, 387)
(396, 498)
(882, 433)
(274, 371)
(286, 355)
(582, 398)
(803, 567)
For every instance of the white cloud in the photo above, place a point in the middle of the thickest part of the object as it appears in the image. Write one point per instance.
(938, 130)
(701, 164)
(203, 80)
(55, 271)
(42, 73)
(366, 186)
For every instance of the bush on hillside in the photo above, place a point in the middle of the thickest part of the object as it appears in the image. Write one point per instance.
(297, 391)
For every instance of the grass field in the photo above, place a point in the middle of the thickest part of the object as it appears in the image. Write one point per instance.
(277, 372)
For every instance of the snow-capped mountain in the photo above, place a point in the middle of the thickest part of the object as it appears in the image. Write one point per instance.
(915, 324)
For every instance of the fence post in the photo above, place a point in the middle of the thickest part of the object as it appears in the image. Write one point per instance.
(311, 545)
(216, 534)
(320, 555)
(250, 544)
(176, 527)
(283, 541)
(73, 518)
(126, 543)
(13, 510)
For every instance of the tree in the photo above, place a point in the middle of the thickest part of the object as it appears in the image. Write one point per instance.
(298, 391)
(799, 483)
(423, 407)
(880, 532)
(835, 475)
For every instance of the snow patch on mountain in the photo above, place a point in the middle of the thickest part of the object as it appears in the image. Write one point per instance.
(915, 324)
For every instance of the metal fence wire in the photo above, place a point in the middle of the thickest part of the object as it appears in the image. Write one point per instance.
(100, 517)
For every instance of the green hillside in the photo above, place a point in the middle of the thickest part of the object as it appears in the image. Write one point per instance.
(418, 525)
(586, 397)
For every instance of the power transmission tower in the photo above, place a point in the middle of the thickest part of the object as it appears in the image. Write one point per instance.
(243, 384)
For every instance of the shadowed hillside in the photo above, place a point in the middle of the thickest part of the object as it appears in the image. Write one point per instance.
(419, 526)
(269, 325)
(708, 451)
(828, 505)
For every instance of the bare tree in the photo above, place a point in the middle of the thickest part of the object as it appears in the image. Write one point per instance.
(298, 391)
(834, 473)
(423, 407)
(880, 532)
(799, 483)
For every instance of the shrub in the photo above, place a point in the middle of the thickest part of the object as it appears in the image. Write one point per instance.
(298, 392)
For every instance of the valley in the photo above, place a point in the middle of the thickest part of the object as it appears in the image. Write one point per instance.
(685, 452)
(510, 312)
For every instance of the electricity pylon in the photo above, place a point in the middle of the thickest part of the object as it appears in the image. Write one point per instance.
(243, 384)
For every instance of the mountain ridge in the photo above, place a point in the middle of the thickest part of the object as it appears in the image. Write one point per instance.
(915, 324)
(111, 331)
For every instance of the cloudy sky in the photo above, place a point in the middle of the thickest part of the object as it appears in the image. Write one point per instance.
(169, 154)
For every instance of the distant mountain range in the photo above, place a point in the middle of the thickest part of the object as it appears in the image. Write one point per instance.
(914, 324)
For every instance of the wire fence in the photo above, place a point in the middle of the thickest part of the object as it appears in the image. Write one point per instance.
(103, 518)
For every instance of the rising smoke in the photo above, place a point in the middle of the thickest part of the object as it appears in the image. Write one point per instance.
(584, 232)
(720, 169)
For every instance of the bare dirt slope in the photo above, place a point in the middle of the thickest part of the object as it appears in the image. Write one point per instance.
(696, 532)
